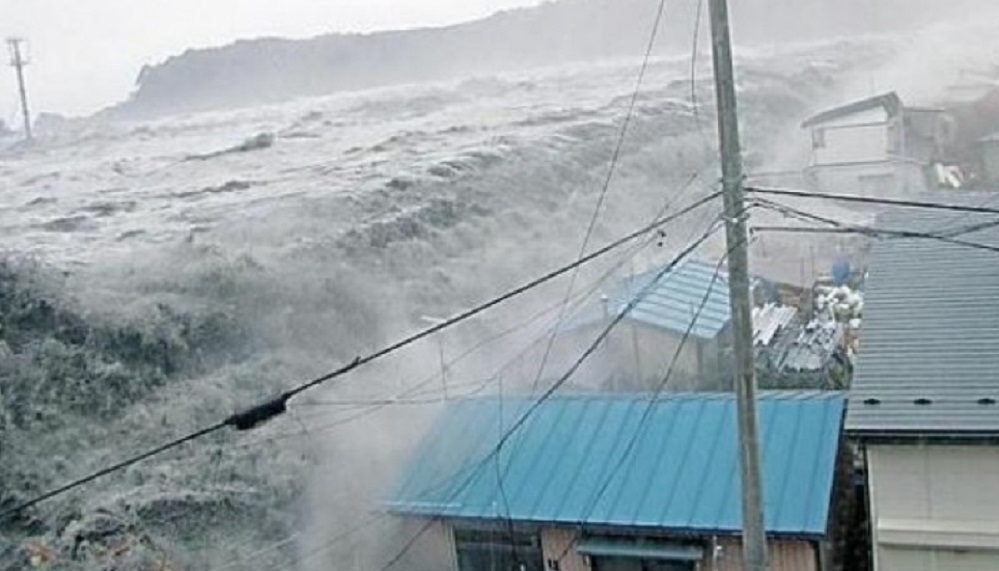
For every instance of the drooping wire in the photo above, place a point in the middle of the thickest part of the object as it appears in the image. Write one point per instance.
(370, 407)
(473, 471)
(870, 231)
(660, 388)
(548, 393)
(260, 413)
(605, 188)
(931, 205)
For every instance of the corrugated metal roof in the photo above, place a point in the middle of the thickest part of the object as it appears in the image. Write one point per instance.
(673, 302)
(929, 344)
(769, 320)
(681, 473)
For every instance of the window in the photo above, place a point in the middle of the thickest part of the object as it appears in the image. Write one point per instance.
(498, 550)
(818, 138)
(609, 553)
(627, 564)
(894, 138)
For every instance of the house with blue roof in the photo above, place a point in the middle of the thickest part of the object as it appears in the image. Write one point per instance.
(621, 482)
(684, 314)
(640, 348)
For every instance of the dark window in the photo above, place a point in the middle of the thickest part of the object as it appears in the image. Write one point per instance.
(498, 550)
(629, 564)
(894, 138)
(818, 138)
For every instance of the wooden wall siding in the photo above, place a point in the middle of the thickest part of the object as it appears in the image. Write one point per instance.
(784, 556)
(554, 542)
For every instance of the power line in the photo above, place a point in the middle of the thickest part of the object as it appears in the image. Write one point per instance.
(870, 200)
(111, 469)
(501, 474)
(659, 389)
(372, 406)
(262, 412)
(547, 394)
(465, 315)
(561, 381)
(615, 157)
(871, 231)
(375, 407)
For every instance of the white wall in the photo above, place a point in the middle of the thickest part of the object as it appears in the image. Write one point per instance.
(934, 508)
(862, 137)
(877, 179)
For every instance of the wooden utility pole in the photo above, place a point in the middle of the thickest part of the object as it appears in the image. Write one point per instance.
(754, 547)
(18, 61)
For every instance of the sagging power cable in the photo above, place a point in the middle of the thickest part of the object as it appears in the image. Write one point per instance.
(262, 412)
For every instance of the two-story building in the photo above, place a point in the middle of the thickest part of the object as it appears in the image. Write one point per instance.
(876, 145)
(923, 404)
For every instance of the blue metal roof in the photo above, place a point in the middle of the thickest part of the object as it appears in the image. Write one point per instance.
(672, 303)
(681, 472)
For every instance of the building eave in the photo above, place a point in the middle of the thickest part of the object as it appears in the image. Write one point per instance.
(890, 102)
(925, 436)
(611, 529)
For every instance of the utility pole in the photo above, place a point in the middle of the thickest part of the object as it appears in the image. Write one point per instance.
(18, 61)
(754, 547)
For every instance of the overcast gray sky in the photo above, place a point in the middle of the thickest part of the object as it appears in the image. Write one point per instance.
(86, 53)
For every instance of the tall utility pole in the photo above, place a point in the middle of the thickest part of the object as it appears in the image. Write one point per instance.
(754, 547)
(18, 61)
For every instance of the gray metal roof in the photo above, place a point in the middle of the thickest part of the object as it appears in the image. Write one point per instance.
(929, 344)
(889, 101)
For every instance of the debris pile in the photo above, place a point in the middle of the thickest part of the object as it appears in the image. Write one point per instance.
(839, 304)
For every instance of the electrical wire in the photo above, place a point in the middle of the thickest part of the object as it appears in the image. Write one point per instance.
(658, 391)
(870, 200)
(580, 299)
(615, 158)
(871, 231)
(260, 413)
(547, 394)
(478, 386)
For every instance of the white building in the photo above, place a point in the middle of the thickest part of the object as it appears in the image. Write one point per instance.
(875, 145)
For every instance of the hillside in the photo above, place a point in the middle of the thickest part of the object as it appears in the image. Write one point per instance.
(271, 69)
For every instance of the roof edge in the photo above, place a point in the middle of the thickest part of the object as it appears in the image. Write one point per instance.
(890, 101)
(609, 527)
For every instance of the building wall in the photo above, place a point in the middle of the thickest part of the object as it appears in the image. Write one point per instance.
(695, 367)
(633, 357)
(990, 160)
(934, 507)
(862, 137)
(557, 543)
(433, 552)
(784, 555)
(872, 179)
